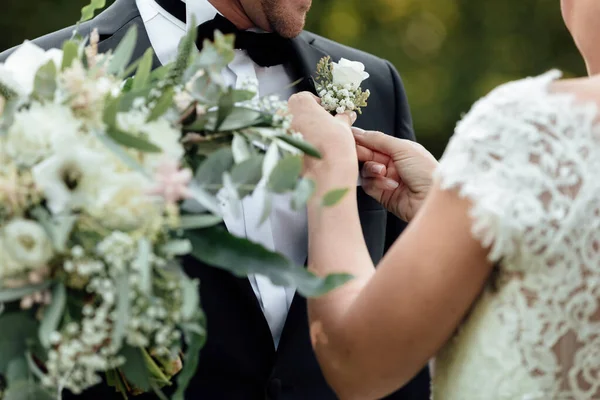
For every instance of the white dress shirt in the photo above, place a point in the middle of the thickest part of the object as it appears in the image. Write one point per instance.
(286, 230)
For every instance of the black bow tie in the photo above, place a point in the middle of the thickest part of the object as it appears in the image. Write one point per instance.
(265, 49)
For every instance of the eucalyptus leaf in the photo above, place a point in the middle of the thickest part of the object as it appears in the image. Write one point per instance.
(303, 192)
(178, 247)
(127, 140)
(164, 102)
(135, 369)
(70, 53)
(199, 221)
(285, 176)
(17, 370)
(26, 390)
(33, 367)
(205, 90)
(144, 68)
(53, 314)
(240, 149)
(240, 96)
(211, 170)
(271, 159)
(111, 109)
(159, 73)
(14, 294)
(267, 207)
(226, 103)
(218, 248)
(333, 197)
(88, 11)
(123, 306)
(143, 263)
(238, 118)
(191, 298)
(124, 52)
(205, 198)
(44, 86)
(58, 228)
(300, 144)
(247, 175)
(190, 364)
(17, 329)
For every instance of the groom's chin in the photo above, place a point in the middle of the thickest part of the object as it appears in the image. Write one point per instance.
(287, 17)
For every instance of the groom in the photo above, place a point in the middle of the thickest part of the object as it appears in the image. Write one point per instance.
(258, 345)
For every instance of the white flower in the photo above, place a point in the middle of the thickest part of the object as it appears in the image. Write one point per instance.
(71, 178)
(20, 68)
(8, 266)
(123, 203)
(40, 131)
(27, 244)
(159, 132)
(348, 72)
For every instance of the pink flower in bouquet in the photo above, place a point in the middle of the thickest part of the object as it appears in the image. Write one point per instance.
(172, 182)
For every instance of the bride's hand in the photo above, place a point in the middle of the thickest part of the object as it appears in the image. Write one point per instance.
(396, 172)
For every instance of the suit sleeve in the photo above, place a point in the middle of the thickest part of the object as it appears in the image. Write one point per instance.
(404, 130)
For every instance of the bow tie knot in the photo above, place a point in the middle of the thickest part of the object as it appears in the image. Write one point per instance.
(265, 49)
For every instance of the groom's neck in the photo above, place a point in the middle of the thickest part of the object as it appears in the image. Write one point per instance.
(234, 11)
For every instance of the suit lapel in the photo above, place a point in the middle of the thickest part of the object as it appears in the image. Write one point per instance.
(305, 58)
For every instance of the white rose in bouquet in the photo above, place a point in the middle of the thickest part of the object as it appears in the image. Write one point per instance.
(27, 244)
(19, 70)
(348, 72)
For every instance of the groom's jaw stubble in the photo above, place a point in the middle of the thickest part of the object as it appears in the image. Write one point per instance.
(285, 17)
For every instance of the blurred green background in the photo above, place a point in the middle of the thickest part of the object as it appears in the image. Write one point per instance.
(449, 52)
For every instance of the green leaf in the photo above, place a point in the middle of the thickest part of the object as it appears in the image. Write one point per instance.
(267, 207)
(333, 197)
(304, 190)
(17, 329)
(135, 369)
(52, 314)
(14, 294)
(218, 248)
(143, 263)
(26, 390)
(240, 96)
(127, 140)
(239, 118)
(142, 75)
(240, 149)
(211, 170)
(122, 319)
(70, 54)
(127, 85)
(191, 298)
(58, 228)
(206, 199)
(190, 364)
(123, 53)
(111, 109)
(88, 11)
(176, 248)
(285, 176)
(301, 145)
(205, 90)
(159, 73)
(17, 370)
(199, 221)
(164, 102)
(247, 174)
(44, 85)
(226, 103)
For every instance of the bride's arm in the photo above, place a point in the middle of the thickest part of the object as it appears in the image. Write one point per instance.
(372, 335)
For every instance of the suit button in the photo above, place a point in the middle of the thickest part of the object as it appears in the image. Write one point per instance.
(274, 389)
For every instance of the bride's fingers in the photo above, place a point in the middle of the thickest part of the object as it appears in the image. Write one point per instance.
(348, 117)
(378, 184)
(372, 169)
(365, 154)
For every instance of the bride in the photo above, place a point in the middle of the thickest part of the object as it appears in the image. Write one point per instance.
(498, 272)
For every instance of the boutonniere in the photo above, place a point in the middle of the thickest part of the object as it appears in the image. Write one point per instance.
(338, 85)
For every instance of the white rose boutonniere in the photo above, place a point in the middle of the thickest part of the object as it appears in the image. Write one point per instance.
(339, 85)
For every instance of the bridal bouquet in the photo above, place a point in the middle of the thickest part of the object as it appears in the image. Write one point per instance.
(96, 170)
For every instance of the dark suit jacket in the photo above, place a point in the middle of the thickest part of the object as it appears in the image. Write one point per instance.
(239, 361)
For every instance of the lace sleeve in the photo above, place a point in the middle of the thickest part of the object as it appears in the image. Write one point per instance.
(508, 157)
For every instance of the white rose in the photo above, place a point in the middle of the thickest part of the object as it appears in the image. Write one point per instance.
(348, 72)
(71, 178)
(27, 244)
(40, 131)
(159, 132)
(20, 68)
(8, 266)
(123, 204)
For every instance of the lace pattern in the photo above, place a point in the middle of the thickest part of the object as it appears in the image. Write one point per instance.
(529, 161)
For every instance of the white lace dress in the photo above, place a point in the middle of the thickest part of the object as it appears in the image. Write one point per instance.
(529, 160)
